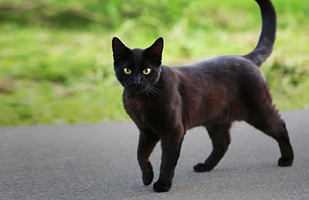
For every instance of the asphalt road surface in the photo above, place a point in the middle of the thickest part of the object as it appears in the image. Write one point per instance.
(98, 161)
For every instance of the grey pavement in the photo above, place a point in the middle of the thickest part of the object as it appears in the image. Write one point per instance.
(98, 161)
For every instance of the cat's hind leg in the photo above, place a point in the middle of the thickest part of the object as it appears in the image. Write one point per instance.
(221, 139)
(269, 121)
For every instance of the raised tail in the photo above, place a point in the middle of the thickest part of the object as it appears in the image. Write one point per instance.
(268, 34)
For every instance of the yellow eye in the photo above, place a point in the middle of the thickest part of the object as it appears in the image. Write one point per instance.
(127, 71)
(147, 71)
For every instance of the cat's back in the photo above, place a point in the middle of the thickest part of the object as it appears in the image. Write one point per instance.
(228, 68)
(219, 62)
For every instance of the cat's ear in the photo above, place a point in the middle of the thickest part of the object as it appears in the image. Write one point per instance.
(119, 49)
(155, 50)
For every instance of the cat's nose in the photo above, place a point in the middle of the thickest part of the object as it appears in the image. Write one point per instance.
(137, 80)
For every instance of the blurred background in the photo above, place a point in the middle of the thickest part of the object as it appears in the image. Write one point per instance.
(56, 62)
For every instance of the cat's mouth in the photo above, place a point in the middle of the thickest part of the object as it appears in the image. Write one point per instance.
(137, 89)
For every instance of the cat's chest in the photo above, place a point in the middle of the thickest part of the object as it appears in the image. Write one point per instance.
(140, 111)
(145, 113)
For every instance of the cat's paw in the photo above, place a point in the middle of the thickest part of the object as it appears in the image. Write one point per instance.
(161, 187)
(147, 177)
(285, 162)
(202, 168)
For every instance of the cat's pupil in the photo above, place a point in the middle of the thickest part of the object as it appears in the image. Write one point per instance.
(127, 71)
(147, 71)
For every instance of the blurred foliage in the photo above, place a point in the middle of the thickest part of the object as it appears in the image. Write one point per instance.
(110, 14)
(77, 14)
(56, 61)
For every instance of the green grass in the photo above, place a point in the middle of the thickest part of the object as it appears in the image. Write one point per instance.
(55, 72)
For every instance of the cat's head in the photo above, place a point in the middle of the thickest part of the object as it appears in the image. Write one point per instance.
(137, 69)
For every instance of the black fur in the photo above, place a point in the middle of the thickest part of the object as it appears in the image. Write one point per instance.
(213, 93)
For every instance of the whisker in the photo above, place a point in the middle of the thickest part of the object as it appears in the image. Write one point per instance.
(118, 90)
(148, 96)
(157, 93)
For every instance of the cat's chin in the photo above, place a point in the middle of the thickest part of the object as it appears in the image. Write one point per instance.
(137, 90)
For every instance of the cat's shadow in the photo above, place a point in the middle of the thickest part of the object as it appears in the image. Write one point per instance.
(187, 180)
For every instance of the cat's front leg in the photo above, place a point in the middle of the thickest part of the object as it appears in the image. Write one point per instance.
(171, 145)
(147, 142)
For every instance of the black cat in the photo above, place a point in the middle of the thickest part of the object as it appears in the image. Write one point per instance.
(164, 102)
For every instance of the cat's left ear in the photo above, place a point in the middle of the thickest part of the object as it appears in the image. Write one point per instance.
(155, 50)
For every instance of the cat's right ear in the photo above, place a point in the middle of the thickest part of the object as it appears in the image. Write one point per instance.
(119, 49)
